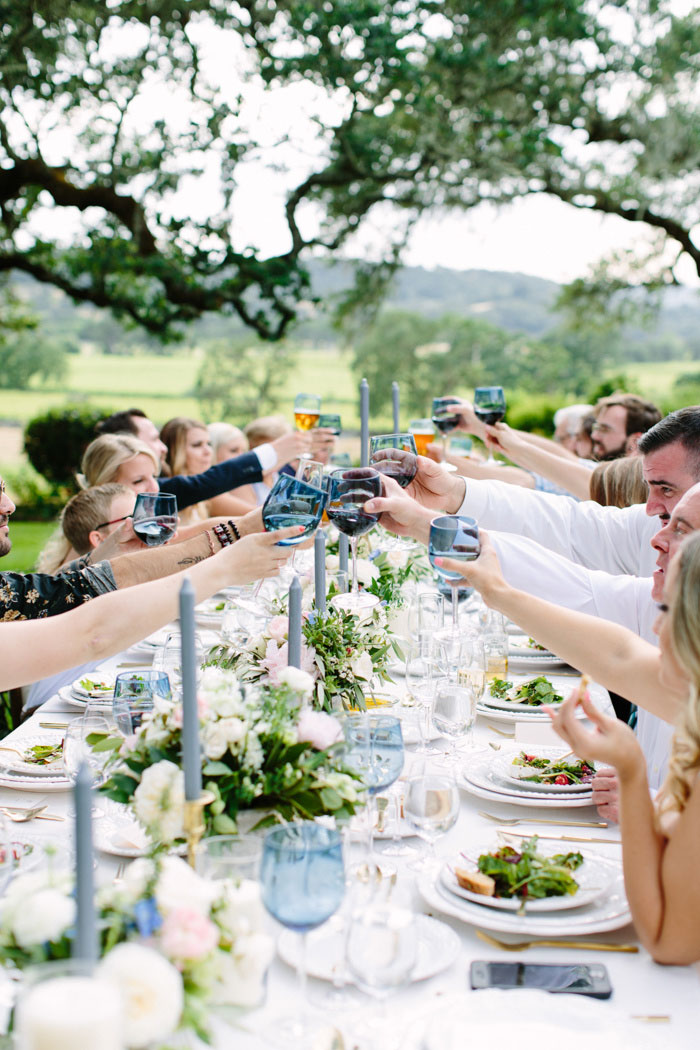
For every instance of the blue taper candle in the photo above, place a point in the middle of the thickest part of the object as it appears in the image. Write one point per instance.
(364, 423)
(395, 405)
(343, 550)
(191, 758)
(85, 944)
(294, 635)
(320, 571)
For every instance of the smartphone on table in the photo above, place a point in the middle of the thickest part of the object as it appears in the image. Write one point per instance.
(570, 978)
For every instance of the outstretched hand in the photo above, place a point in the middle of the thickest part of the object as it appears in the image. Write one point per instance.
(399, 513)
(434, 488)
(484, 573)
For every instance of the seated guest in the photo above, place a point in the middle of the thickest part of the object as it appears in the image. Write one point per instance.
(121, 459)
(85, 521)
(567, 422)
(188, 452)
(258, 432)
(221, 477)
(619, 482)
(226, 441)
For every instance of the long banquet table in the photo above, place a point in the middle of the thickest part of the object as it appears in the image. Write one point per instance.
(641, 988)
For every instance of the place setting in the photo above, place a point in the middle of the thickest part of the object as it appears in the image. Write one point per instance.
(555, 780)
(522, 697)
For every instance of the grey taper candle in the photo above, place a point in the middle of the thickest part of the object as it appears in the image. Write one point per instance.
(395, 405)
(294, 635)
(364, 423)
(191, 758)
(85, 944)
(343, 550)
(320, 571)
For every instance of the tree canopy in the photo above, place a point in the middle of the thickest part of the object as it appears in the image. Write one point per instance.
(111, 110)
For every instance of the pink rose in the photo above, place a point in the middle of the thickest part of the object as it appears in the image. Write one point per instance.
(186, 934)
(276, 659)
(277, 628)
(321, 730)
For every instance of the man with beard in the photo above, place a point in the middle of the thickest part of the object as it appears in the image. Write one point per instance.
(620, 421)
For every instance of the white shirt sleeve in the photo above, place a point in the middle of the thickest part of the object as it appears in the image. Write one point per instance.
(267, 456)
(609, 538)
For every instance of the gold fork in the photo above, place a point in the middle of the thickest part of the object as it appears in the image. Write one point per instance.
(511, 821)
(594, 946)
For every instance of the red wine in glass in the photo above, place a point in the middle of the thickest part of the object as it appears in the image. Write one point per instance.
(443, 419)
(489, 407)
(155, 517)
(394, 455)
(348, 492)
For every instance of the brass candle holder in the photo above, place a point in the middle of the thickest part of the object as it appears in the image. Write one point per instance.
(194, 823)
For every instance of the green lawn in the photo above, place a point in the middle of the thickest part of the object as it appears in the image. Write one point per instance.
(28, 538)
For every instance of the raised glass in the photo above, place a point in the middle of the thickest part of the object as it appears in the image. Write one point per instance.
(444, 417)
(457, 537)
(348, 491)
(490, 407)
(307, 408)
(155, 517)
(293, 502)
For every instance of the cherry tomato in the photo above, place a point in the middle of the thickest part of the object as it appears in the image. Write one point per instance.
(562, 779)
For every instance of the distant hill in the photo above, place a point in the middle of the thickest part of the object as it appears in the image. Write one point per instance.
(513, 301)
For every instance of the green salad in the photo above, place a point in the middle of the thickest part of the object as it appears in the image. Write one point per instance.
(527, 874)
(534, 692)
(560, 771)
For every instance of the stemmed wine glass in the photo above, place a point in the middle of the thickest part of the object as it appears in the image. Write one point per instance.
(77, 747)
(395, 456)
(293, 502)
(374, 749)
(421, 678)
(452, 536)
(454, 711)
(431, 808)
(348, 491)
(490, 408)
(330, 421)
(134, 693)
(444, 417)
(307, 408)
(311, 471)
(303, 882)
(155, 517)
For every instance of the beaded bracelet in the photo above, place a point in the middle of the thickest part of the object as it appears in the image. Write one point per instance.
(234, 528)
(223, 535)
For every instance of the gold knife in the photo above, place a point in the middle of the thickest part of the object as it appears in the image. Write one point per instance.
(561, 838)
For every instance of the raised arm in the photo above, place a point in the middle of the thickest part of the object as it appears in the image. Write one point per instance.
(33, 649)
(562, 470)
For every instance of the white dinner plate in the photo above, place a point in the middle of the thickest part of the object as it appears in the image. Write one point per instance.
(504, 766)
(12, 762)
(593, 879)
(44, 784)
(438, 947)
(81, 702)
(480, 777)
(609, 911)
(80, 689)
(562, 684)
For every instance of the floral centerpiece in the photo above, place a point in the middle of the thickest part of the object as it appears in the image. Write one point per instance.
(340, 653)
(262, 750)
(384, 573)
(173, 942)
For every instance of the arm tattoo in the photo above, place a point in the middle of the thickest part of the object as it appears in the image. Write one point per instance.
(192, 560)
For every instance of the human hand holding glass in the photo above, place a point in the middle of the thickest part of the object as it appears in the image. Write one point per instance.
(456, 537)
(490, 408)
(155, 517)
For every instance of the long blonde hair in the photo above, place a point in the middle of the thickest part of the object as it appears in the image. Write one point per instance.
(619, 482)
(105, 455)
(684, 762)
(174, 435)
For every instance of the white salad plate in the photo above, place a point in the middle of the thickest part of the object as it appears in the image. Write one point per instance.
(504, 766)
(11, 761)
(593, 877)
(519, 650)
(506, 711)
(481, 777)
(81, 702)
(438, 947)
(104, 686)
(609, 911)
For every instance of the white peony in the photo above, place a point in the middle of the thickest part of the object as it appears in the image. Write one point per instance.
(152, 992)
(222, 692)
(366, 572)
(362, 666)
(214, 741)
(159, 801)
(318, 728)
(241, 972)
(398, 559)
(45, 917)
(239, 907)
(178, 885)
(300, 681)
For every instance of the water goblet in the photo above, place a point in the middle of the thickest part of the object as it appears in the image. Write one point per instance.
(155, 517)
(431, 808)
(453, 536)
(77, 747)
(293, 502)
(454, 712)
(490, 408)
(444, 417)
(134, 693)
(348, 492)
(374, 749)
(303, 882)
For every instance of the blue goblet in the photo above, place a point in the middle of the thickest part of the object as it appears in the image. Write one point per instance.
(302, 879)
(293, 502)
(374, 749)
(452, 536)
(134, 694)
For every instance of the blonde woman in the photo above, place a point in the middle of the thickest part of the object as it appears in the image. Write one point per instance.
(661, 839)
(189, 452)
(619, 482)
(228, 441)
(262, 431)
(119, 458)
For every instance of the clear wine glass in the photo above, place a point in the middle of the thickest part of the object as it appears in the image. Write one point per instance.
(374, 749)
(426, 615)
(349, 490)
(395, 456)
(444, 417)
(303, 882)
(169, 659)
(455, 537)
(134, 694)
(77, 747)
(431, 807)
(490, 408)
(454, 712)
(293, 502)
(421, 677)
(155, 517)
(311, 471)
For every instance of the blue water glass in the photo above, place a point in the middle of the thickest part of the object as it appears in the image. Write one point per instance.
(302, 874)
(293, 502)
(452, 536)
(134, 693)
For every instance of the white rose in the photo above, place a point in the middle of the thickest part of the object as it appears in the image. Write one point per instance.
(398, 559)
(362, 666)
(239, 907)
(214, 741)
(46, 916)
(151, 989)
(366, 571)
(178, 885)
(318, 728)
(159, 801)
(300, 681)
(332, 563)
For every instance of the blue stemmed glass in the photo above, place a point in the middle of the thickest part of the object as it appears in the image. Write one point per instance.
(134, 693)
(374, 749)
(293, 502)
(302, 878)
(453, 536)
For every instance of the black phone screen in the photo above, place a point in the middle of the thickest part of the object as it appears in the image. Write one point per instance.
(572, 978)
